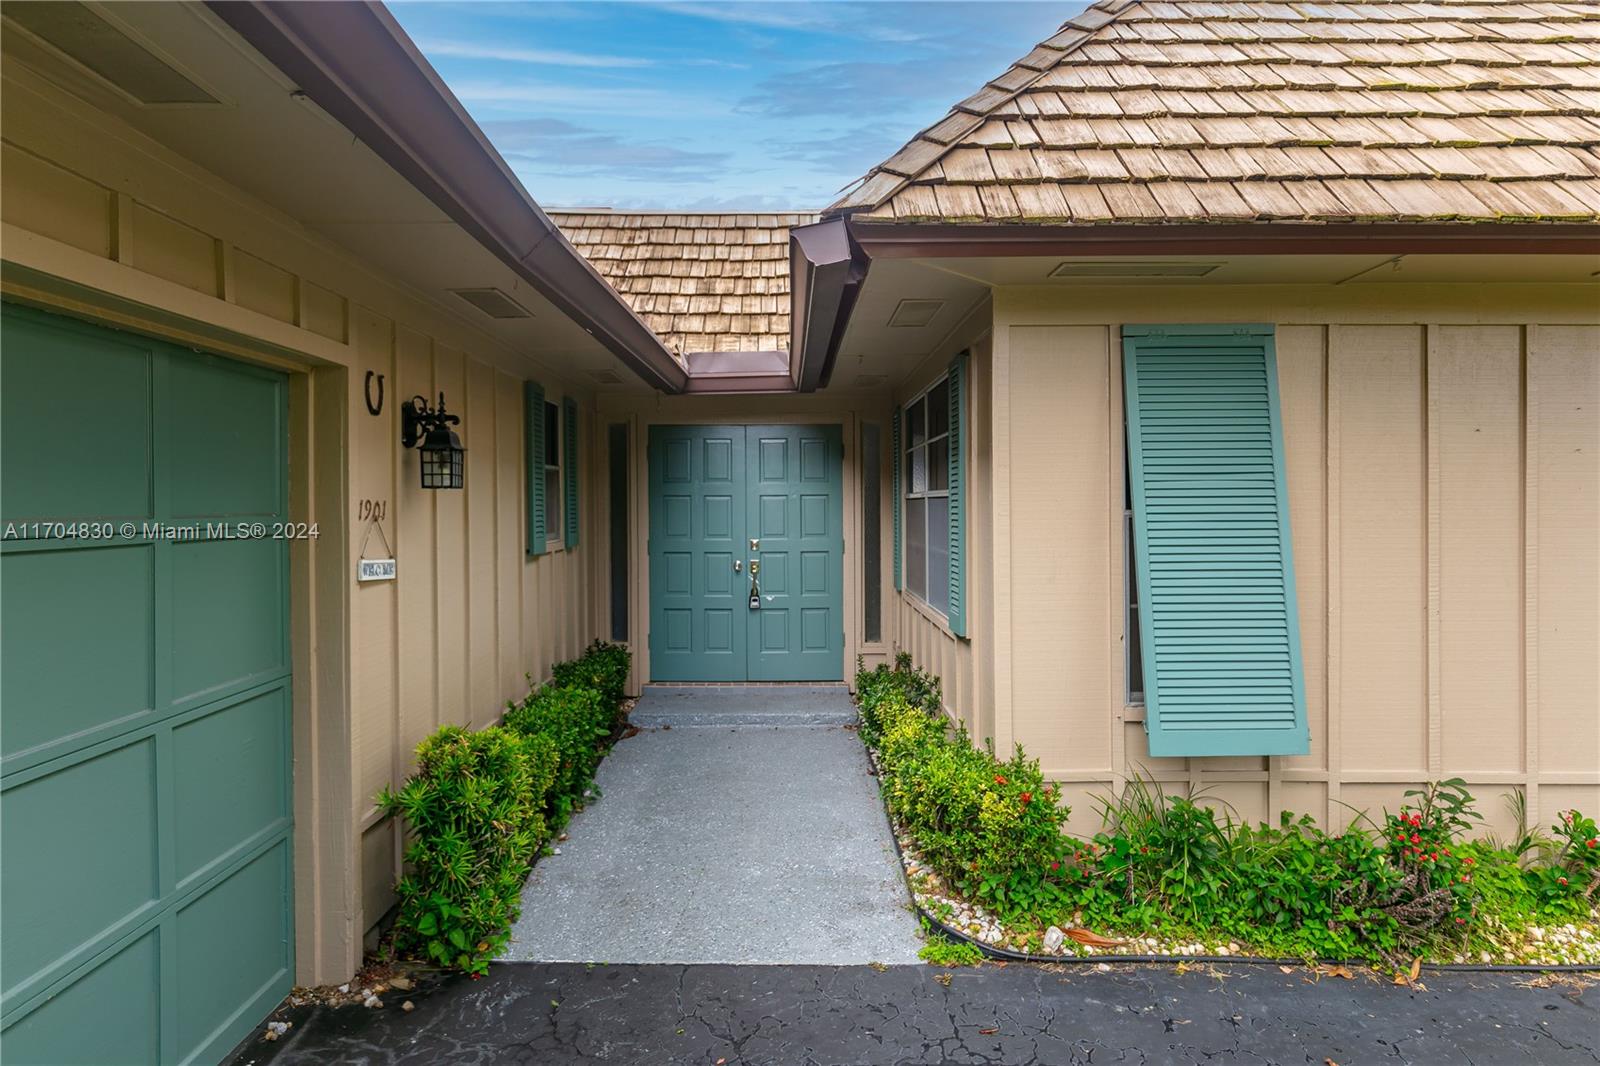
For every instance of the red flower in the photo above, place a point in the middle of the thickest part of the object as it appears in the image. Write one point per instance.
(1401, 838)
(1055, 866)
(1463, 878)
(1415, 839)
(1468, 860)
(1461, 921)
(1026, 797)
(999, 780)
(1434, 856)
(1144, 851)
(1593, 841)
(1561, 880)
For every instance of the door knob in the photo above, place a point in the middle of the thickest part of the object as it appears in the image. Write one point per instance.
(738, 565)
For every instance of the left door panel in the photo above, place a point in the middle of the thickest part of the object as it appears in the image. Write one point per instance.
(698, 601)
(145, 746)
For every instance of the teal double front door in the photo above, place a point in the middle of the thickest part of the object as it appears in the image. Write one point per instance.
(746, 553)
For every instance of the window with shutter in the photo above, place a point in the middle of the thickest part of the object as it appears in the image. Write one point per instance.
(933, 495)
(534, 444)
(1219, 633)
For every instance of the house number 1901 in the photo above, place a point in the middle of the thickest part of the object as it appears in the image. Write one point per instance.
(372, 510)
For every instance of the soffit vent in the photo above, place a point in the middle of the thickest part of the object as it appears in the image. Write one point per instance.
(493, 303)
(605, 377)
(915, 313)
(1129, 269)
(92, 42)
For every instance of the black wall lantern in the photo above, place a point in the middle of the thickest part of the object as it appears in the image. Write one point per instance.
(429, 428)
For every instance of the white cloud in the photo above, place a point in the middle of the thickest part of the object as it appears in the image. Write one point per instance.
(473, 50)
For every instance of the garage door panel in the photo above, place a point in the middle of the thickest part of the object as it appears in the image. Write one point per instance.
(230, 786)
(81, 862)
(224, 416)
(121, 995)
(75, 422)
(60, 608)
(228, 616)
(146, 735)
(232, 972)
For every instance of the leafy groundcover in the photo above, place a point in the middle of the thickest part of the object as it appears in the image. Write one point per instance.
(987, 853)
(482, 805)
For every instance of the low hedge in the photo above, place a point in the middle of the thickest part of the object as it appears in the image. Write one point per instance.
(1408, 884)
(481, 805)
(578, 722)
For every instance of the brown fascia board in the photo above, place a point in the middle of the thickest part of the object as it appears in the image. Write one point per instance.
(356, 63)
(890, 240)
(826, 271)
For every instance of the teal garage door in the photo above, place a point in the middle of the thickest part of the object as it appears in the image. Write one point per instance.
(145, 757)
(737, 511)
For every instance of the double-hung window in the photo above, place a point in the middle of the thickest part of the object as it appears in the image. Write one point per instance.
(927, 464)
(552, 475)
(930, 481)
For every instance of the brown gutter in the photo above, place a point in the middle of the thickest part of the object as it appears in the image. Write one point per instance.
(826, 271)
(891, 240)
(356, 63)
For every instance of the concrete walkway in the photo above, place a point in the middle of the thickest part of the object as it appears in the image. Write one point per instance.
(726, 843)
(801, 1015)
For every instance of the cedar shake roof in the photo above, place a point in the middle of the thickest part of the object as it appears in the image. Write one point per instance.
(1151, 111)
(703, 282)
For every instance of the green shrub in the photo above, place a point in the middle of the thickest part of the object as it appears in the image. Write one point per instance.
(603, 667)
(481, 805)
(474, 809)
(578, 722)
(903, 683)
(1411, 884)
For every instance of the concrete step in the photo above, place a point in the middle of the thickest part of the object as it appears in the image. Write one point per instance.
(683, 706)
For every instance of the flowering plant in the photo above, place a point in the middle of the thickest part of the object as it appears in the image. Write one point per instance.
(1574, 872)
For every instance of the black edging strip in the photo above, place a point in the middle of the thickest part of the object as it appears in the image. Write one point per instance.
(1007, 955)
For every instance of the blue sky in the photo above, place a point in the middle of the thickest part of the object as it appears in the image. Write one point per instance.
(708, 106)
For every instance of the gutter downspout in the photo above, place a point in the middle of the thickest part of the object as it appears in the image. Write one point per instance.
(826, 272)
(356, 63)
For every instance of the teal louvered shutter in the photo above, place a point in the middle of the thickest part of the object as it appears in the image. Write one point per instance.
(957, 615)
(533, 438)
(569, 469)
(1218, 624)
(894, 488)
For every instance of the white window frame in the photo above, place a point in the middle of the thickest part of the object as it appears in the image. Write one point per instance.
(907, 494)
(554, 502)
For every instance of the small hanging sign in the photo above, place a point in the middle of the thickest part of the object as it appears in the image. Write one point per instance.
(375, 570)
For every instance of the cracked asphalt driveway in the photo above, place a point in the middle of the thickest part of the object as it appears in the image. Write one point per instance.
(800, 1015)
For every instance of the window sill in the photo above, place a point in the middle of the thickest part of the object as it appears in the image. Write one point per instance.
(1133, 712)
(929, 612)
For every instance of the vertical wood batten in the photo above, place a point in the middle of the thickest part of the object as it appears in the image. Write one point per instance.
(1530, 577)
(1333, 568)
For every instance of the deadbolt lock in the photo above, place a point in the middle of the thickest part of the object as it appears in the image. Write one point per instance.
(755, 567)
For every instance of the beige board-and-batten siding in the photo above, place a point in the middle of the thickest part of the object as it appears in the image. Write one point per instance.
(104, 223)
(1443, 459)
